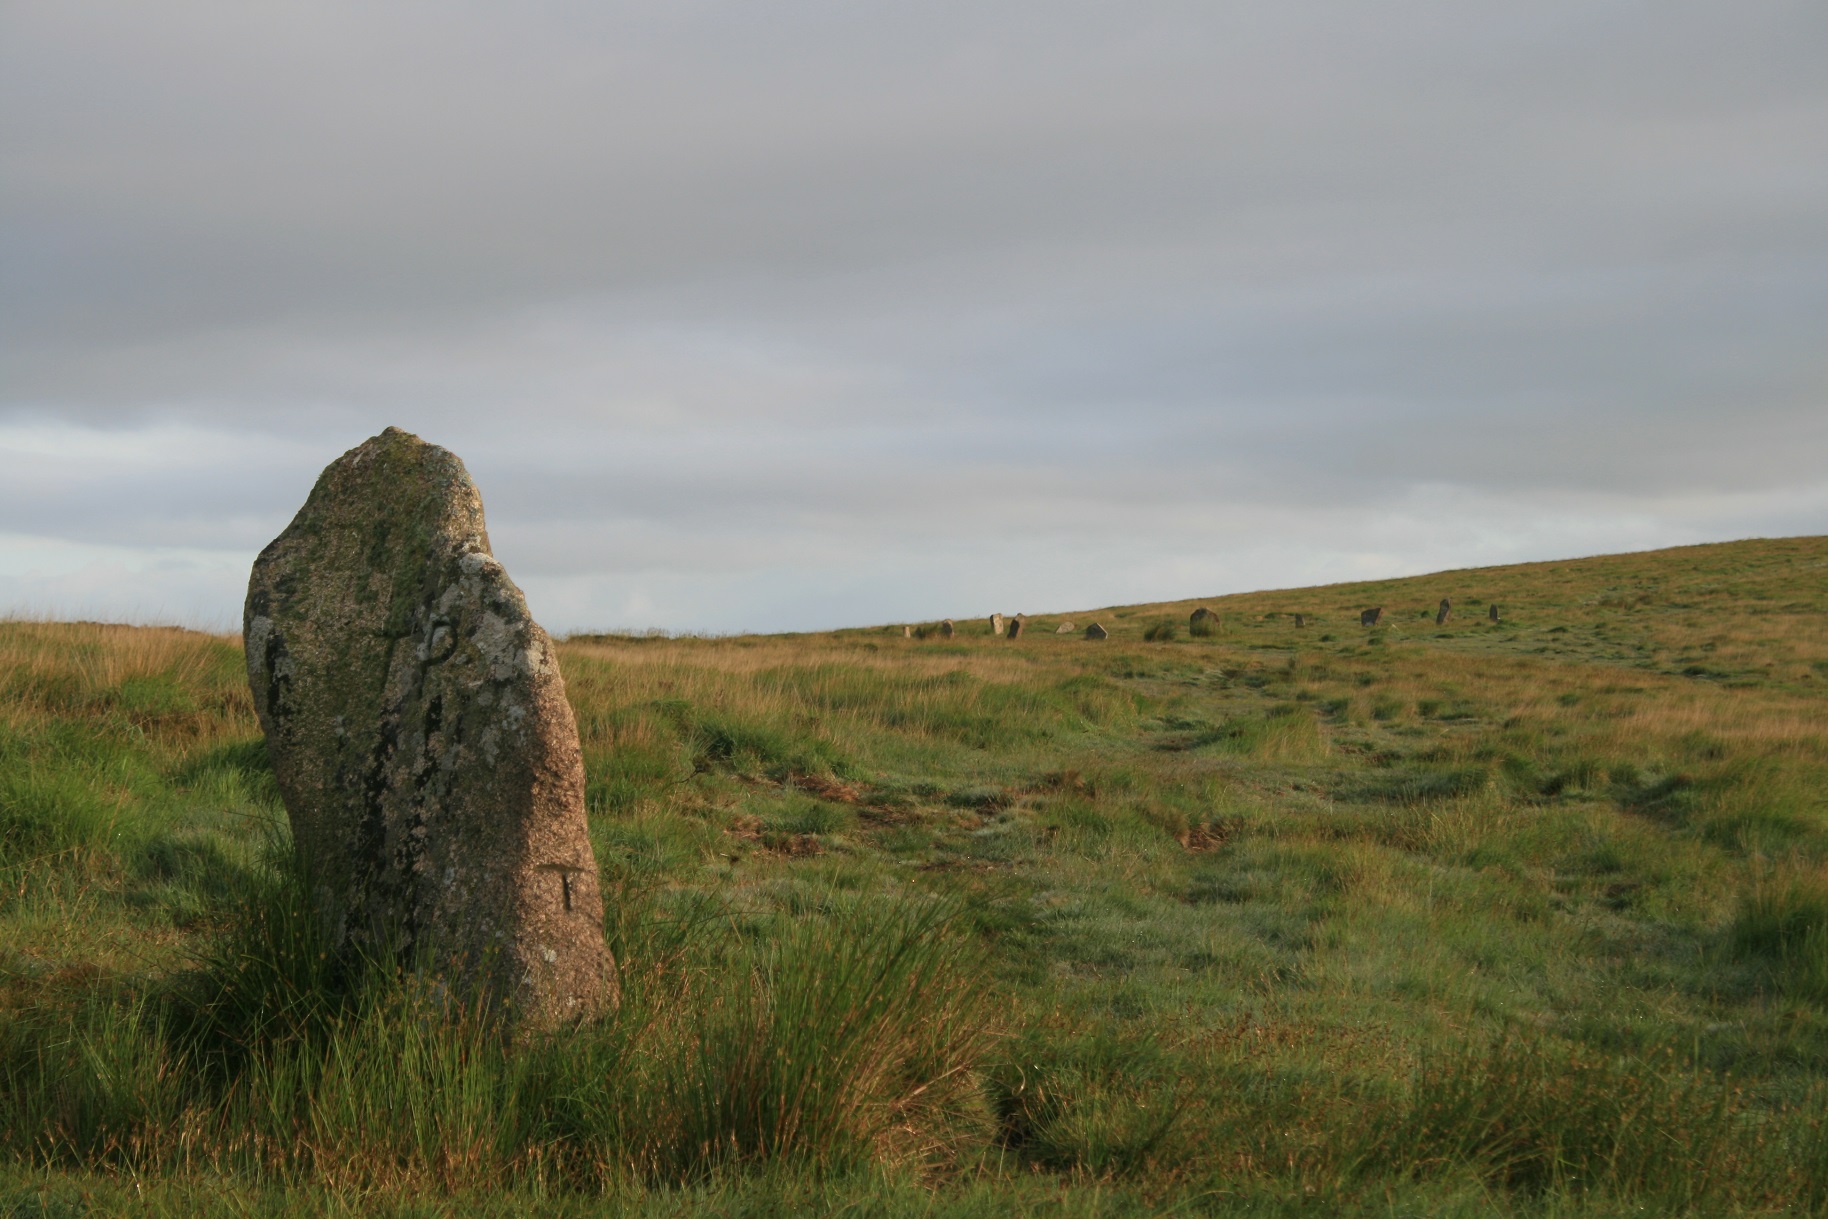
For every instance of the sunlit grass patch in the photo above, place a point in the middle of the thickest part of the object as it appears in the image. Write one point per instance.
(48, 811)
(1282, 733)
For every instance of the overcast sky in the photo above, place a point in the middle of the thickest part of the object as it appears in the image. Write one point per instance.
(794, 315)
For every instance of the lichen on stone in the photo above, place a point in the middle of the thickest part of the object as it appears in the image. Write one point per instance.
(419, 730)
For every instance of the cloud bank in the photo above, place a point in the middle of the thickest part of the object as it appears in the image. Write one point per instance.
(809, 314)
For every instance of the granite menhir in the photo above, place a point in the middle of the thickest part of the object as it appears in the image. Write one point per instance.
(418, 727)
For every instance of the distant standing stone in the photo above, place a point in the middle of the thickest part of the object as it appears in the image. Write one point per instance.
(1015, 628)
(1202, 622)
(996, 624)
(418, 727)
(945, 628)
(907, 632)
(1065, 628)
(1441, 615)
(1493, 615)
(1371, 617)
(1300, 621)
(1095, 631)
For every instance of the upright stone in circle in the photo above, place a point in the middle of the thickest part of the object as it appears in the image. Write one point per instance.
(996, 624)
(1447, 607)
(1371, 616)
(907, 632)
(1095, 631)
(945, 628)
(1300, 621)
(419, 731)
(1494, 612)
(1065, 628)
(1202, 622)
(1015, 628)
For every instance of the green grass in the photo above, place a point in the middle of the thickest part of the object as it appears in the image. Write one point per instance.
(1526, 918)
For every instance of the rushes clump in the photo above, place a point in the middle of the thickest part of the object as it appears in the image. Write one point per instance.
(834, 1042)
(846, 1036)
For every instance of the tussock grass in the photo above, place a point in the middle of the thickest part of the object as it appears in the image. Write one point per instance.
(1783, 925)
(839, 1039)
(1540, 1119)
(1283, 733)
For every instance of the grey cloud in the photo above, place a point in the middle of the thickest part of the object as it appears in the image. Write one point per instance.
(744, 302)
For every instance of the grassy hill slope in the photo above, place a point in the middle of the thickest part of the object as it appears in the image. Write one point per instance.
(1517, 917)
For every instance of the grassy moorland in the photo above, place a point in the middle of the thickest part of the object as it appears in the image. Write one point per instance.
(1516, 918)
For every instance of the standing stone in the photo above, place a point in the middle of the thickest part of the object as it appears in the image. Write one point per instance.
(1371, 617)
(1202, 622)
(1095, 631)
(1441, 615)
(945, 629)
(996, 624)
(907, 632)
(1493, 615)
(1300, 621)
(1015, 628)
(1065, 628)
(418, 728)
